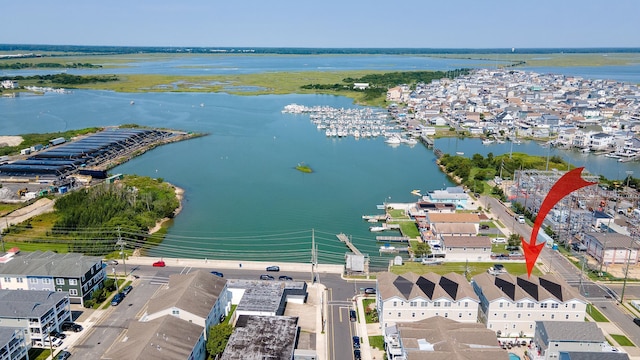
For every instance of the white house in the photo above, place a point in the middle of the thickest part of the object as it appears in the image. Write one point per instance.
(472, 248)
(511, 305)
(411, 297)
(600, 141)
(611, 248)
(553, 337)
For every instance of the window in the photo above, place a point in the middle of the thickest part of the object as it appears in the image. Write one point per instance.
(530, 305)
(519, 305)
(59, 281)
(501, 304)
(399, 314)
(519, 316)
(554, 306)
(395, 303)
(553, 316)
(566, 316)
(82, 278)
(573, 306)
(530, 326)
(175, 312)
(413, 304)
(423, 304)
(46, 281)
(447, 304)
(543, 305)
(504, 316)
(459, 315)
(73, 292)
(73, 281)
(20, 280)
(413, 314)
(7, 279)
(514, 326)
(466, 304)
(436, 304)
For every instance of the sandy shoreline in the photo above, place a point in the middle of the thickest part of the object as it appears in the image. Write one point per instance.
(179, 195)
(6, 140)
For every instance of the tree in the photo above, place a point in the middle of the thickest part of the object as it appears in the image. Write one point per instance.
(422, 249)
(218, 337)
(514, 240)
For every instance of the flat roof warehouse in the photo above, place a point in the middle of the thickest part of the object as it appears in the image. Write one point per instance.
(91, 152)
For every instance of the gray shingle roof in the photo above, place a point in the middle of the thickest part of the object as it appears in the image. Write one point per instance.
(28, 304)
(517, 288)
(196, 292)
(38, 263)
(430, 286)
(571, 331)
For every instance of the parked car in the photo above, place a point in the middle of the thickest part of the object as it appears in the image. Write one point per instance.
(117, 299)
(356, 342)
(370, 291)
(521, 219)
(71, 326)
(484, 227)
(58, 335)
(352, 315)
(112, 262)
(357, 355)
(266, 277)
(636, 321)
(285, 278)
(273, 268)
(127, 289)
(55, 342)
(499, 240)
(63, 355)
(159, 264)
(217, 273)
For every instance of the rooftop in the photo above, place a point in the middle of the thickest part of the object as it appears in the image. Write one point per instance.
(48, 263)
(560, 331)
(518, 288)
(430, 286)
(262, 337)
(28, 304)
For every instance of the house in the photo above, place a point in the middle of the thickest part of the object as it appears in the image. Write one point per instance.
(454, 224)
(177, 319)
(611, 248)
(440, 338)
(511, 305)
(360, 86)
(553, 337)
(262, 337)
(455, 195)
(600, 141)
(77, 274)
(165, 338)
(265, 298)
(471, 248)
(9, 84)
(198, 297)
(36, 312)
(411, 297)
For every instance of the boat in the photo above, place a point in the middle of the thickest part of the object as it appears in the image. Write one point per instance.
(487, 142)
(410, 141)
(416, 192)
(459, 153)
(393, 140)
(377, 228)
(585, 150)
(517, 142)
(390, 249)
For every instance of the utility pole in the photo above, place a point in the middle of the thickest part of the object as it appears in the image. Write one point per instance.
(626, 271)
(122, 243)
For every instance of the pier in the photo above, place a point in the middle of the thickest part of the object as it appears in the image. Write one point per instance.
(427, 141)
(345, 239)
(392, 239)
(438, 153)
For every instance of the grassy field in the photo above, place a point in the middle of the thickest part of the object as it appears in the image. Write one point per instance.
(473, 268)
(621, 340)
(377, 341)
(369, 317)
(596, 314)
(7, 208)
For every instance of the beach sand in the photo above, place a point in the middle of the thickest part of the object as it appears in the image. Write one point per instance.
(10, 140)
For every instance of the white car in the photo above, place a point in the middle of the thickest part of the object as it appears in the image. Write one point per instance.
(499, 240)
(521, 219)
(55, 342)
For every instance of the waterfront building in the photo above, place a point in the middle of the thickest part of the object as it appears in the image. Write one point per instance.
(454, 195)
(76, 274)
(553, 337)
(510, 305)
(467, 248)
(411, 297)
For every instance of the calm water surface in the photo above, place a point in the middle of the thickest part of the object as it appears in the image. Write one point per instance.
(244, 199)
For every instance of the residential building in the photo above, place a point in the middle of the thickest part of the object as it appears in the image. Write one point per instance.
(611, 248)
(411, 297)
(442, 339)
(263, 297)
(553, 337)
(472, 248)
(455, 195)
(177, 320)
(13, 344)
(454, 224)
(77, 274)
(262, 337)
(511, 305)
(37, 312)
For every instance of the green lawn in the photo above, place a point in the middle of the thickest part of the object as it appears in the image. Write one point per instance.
(397, 214)
(474, 268)
(39, 354)
(377, 342)
(596, 314)
(622, 340)
(371, 317)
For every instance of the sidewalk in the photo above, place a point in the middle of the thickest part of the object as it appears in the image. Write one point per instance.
(365, 330)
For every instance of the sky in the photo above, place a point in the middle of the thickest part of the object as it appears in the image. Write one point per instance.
(326, 23)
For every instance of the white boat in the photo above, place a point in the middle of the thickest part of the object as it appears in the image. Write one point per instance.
(410, 141)
(387, 249)
(393, 140)
(586, 150)
(487, 142)
(459, 153)
(416, 192)
(377, 228)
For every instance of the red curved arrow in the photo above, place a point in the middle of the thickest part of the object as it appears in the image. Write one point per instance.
(567, 184)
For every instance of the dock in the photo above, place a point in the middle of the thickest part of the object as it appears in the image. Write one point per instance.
(345, 239)
(374, 218)
(427, 140)
(392, 239)
(631, 158)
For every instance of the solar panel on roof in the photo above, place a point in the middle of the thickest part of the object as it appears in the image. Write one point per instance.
(404, 286)
(507, 287)
(427, 286)
(451, 287)
(554, 288)
(529, 287)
